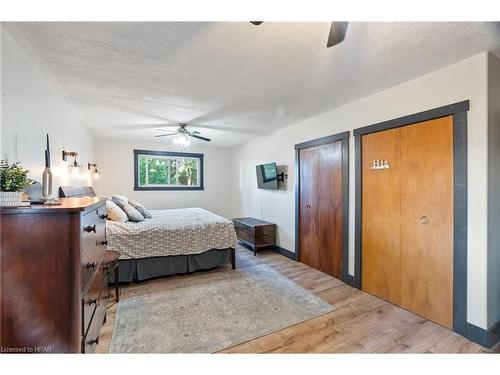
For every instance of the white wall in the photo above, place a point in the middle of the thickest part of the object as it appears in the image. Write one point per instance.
(493, 190)
(1, 94)
(115, 159)
(465, 80)
(33, 105)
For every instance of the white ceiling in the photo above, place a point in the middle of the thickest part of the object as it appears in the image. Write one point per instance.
(239, 79)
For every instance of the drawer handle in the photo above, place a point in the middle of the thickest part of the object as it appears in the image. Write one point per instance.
(91, 265)
(94, 341)
(103, 243)
(103, 216)
(93, 301)
(89, 228)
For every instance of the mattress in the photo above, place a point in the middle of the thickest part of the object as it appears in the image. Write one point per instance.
(171, 232)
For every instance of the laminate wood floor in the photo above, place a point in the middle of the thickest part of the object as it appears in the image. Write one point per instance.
(361, 322)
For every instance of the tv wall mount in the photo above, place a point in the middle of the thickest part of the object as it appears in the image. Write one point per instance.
(281, 176)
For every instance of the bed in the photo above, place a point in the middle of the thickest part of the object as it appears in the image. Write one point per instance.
(174, 241)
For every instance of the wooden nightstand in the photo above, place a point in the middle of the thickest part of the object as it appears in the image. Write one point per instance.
(110, 263)
(255, 233)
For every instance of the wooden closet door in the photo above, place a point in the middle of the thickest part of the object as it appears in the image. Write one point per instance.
(381, 258)
(330, 209)
(308, 207)
(427, 219)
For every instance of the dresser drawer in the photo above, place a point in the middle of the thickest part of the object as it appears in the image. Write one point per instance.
(93, 239)
(93, 229)
(93, 298)
(90, 261)
(91, 339)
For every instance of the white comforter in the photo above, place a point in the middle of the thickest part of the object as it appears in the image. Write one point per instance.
(171, 232)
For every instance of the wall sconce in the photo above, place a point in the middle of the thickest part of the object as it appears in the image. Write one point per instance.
(73, 166)
(92, 167)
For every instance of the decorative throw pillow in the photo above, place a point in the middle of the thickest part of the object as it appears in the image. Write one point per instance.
(115, 213)
(139, 207)
(120, 197)
(132, 213)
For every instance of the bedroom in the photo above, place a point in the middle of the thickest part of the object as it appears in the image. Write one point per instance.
(250, 187)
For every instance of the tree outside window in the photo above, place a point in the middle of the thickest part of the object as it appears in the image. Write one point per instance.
(160, 170)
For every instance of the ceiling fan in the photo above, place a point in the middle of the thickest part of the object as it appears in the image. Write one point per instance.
(338, 30)
(182, 135)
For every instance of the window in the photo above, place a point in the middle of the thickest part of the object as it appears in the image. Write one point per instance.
(162, 170)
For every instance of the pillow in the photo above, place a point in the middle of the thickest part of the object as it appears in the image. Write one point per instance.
(120, 197)
(139, 207)
(132, 213)
(115, 213)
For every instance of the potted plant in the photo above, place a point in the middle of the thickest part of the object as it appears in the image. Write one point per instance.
(13, 180)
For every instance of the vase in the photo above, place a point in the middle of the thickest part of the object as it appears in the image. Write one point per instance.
(10, 198)
(47, 183)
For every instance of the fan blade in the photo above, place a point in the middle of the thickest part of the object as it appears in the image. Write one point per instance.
(256, 23)
(337, 34)
(142, 126)
(200, 137)
(228, 129)
(165, 135)
(195, 132)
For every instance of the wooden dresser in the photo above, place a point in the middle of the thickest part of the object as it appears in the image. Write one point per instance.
(52, 284)
(255, 233)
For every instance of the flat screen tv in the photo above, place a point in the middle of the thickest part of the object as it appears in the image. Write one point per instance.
(267, 176)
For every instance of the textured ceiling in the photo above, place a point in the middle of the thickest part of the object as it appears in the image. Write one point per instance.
(239, 79)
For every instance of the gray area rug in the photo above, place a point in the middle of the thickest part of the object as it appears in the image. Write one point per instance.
(208, 317)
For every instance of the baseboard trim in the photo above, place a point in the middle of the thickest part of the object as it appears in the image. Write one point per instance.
(282, 251)
(349, 280)
(484, 337)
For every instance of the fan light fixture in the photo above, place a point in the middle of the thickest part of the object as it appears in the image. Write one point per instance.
(182, 139)
(182, 136)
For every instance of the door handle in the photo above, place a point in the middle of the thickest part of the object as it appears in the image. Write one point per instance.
(424, 220)
(308, 206)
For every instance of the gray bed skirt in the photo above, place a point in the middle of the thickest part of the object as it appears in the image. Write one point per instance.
(148, 268)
